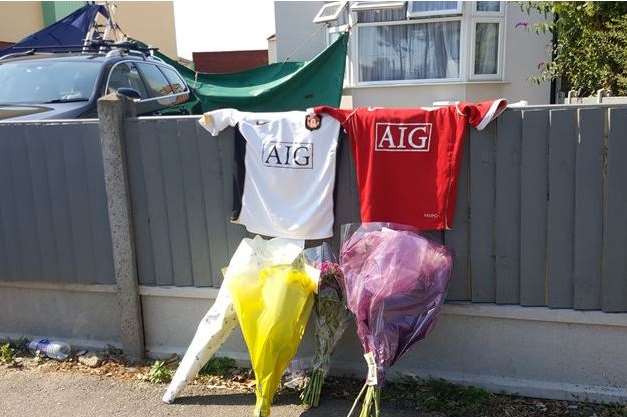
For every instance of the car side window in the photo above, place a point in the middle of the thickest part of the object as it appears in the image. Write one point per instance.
(125, 75)
(156, 82)
(178, 85)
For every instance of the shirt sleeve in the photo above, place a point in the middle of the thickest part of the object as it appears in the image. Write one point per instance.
(217, 120)
(481, 114)
(339, 114)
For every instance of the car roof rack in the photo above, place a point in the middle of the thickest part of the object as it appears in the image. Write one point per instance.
(17, 54)
(97, 46)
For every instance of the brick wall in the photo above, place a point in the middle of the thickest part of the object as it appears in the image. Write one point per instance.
(229, 61)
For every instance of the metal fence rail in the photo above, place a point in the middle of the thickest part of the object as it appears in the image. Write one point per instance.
(541, 215)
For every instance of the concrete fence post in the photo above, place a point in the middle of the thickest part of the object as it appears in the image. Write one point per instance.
(112, 112)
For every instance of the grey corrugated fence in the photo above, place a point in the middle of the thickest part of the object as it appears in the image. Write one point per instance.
(541, 214)
(542, 211)
(53, 219)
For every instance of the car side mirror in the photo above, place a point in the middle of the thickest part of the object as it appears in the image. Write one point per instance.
(129, 92)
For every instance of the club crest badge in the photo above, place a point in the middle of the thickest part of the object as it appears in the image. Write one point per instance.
(312, 122)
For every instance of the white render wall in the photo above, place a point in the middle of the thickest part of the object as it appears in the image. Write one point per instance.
(83, 315)
(533, 351)
(539, 352)
(524, 51)
(298, 38)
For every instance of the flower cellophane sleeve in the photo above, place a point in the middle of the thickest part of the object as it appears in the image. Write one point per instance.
(395, 281)
(220, 321)
(273, 300)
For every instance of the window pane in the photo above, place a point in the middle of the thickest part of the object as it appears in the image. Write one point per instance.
(488, 6)
(178, 85)
(431, 7)
(381, 15)
(126, 75)
(409, 52)
(333, 36)
(486, 48)
(157, 84)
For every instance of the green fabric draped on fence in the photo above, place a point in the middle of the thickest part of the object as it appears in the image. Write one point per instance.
(275, 87)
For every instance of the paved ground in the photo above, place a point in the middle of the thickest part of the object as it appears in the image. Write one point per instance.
(32, 392)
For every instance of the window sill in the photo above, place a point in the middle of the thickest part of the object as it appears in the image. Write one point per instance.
(424, 84)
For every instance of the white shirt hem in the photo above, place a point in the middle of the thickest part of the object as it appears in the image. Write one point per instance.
(288, 235)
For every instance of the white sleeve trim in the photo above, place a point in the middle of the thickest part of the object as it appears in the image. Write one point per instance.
(216, 121)
(493, 113)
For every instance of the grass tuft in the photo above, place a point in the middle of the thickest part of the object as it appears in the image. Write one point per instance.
(436, 395)
(7, 353)
(219, 366)
(159, 373)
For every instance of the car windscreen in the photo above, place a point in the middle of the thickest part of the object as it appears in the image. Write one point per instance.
(41, 82)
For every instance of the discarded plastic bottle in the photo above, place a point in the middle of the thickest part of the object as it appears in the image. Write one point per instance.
(52, 349)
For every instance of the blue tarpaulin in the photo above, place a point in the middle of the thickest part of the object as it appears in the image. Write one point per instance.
(69, 31)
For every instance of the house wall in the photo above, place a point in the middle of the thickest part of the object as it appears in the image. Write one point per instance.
(151, 21)
(272, 50)
(524, 51)
(19, 19)
(297, 38)
(57, 10)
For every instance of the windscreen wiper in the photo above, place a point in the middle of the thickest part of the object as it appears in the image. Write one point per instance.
(65, 100)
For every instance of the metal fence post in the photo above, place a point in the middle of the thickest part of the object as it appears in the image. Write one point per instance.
(112, 111)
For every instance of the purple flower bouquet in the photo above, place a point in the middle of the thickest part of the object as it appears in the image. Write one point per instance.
(395, 281)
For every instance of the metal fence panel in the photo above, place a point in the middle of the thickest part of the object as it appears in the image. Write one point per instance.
(614, 278)
(458, 238)
(507, 208)
(54, 224)
(561, 214)
(178, 176)
(482, 197)
(588, 242)
(533, 207)
(346, 198)
(540, 220)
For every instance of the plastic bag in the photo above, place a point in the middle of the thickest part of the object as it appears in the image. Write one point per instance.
(212, 332)
(220, 321)
(395, 282)
(273, 299)
(330, 319)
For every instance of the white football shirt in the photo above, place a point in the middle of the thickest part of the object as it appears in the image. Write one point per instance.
(290, 171)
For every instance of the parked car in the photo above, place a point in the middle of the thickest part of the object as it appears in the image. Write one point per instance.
(67, 85)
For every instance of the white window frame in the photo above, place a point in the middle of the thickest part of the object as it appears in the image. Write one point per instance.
(468, 18)
(433, 13)
(331, 18)
(372, 5)
(499, 54)
(500, 13)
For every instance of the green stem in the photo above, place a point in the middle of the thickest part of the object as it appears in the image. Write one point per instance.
(377, 399)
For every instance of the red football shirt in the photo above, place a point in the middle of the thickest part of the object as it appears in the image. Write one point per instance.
(407, 160)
